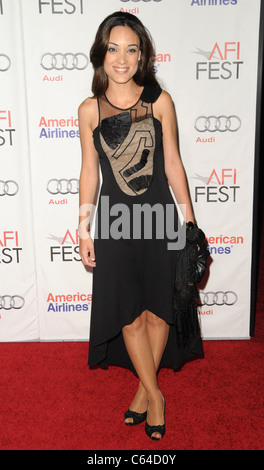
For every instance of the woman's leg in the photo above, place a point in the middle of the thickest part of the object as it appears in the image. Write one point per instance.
(139, 349)
(146, 339)
(158, 331)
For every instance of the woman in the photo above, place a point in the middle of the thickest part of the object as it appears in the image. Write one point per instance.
(129, 126)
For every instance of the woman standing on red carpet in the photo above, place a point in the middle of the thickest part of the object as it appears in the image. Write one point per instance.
(128, 128)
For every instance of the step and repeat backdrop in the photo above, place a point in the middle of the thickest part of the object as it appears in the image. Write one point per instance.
(206, 57)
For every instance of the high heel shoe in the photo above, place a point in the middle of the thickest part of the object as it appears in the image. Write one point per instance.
(137, 417)
(161, 429)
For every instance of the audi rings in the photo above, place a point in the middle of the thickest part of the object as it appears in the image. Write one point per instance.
(218, 298)
(7, 302)
(67, 61)
(63, 186)
(217, 123)
(5, 62)
(8, 188)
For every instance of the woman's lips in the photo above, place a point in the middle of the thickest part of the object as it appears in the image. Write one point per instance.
(121, 69)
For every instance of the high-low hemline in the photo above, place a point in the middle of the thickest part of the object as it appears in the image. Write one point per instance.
(112, 352)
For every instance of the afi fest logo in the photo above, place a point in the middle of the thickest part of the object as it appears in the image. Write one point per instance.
(217, 187)
(65, 7)
(68, 248)
(9, 247)
(223, 62)
(6, 128)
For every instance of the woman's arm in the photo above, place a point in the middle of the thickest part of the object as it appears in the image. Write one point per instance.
(165, 112)
(89, 177)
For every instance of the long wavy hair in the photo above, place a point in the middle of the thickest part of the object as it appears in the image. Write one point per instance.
(145, 74)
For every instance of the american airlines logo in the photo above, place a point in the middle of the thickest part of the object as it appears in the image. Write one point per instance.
(59, 128)
(212, 3)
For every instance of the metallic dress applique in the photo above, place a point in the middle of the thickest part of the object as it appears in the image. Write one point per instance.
(127, 138)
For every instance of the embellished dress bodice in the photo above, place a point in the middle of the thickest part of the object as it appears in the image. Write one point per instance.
(127, 139)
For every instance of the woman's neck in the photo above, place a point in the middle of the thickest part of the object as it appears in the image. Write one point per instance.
(123, 94)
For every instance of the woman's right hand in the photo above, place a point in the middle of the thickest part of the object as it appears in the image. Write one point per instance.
(86, 252)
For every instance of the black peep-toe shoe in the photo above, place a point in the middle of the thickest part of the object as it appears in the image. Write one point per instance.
(151, 429)
(137, 417)
(161, 429)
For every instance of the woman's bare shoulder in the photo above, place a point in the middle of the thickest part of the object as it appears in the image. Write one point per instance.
(163, 105)
(89, 105)
(88, 111)
(165, 98)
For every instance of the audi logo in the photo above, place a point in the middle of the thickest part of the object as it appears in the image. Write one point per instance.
(8, 188)
(63, 186)
(5, 62)
(11, 301)
(218, 298)
(217, 123)
(67, 61)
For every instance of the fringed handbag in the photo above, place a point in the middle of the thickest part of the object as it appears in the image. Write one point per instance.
(190, 268)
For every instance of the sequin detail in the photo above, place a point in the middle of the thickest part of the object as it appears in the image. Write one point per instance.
(115, 129)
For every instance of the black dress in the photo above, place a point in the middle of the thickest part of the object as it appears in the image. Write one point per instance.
(134, 267)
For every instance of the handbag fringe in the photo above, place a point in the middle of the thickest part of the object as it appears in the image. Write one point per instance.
(190, 266)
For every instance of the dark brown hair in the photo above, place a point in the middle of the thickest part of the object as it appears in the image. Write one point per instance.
(145, 74)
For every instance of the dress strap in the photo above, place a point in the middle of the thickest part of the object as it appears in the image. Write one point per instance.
(150, 94)
(99, 111)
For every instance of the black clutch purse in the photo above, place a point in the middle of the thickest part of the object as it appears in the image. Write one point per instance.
(190, 268)
(195, 238)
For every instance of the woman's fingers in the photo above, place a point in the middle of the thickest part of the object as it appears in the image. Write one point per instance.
(87, 253)
(91, 258)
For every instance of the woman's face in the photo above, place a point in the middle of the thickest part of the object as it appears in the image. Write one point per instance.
(123, 54)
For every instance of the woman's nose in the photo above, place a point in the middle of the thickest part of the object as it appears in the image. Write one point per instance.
(121, 57)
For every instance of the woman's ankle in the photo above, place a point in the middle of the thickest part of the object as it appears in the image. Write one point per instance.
(155, 395)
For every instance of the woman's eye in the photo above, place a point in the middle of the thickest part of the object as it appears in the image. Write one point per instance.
(111, 49)
(132, 51)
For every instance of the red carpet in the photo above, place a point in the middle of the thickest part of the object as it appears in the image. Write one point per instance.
(49, 399)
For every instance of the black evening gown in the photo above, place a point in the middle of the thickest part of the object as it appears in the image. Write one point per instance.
(134, 268)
